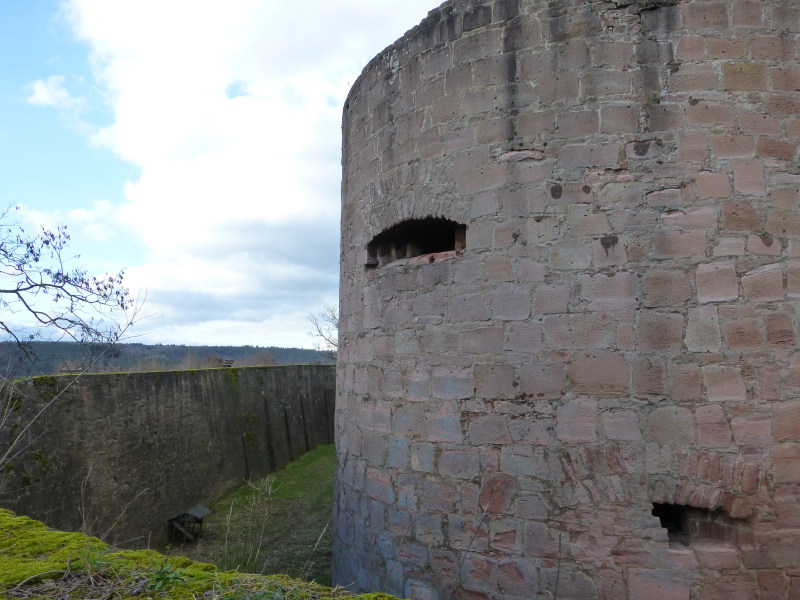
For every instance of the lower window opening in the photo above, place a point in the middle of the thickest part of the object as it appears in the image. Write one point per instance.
(416, 237)
(686, 524)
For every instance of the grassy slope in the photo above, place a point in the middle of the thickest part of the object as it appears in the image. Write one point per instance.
(274, 525)
(39, 562)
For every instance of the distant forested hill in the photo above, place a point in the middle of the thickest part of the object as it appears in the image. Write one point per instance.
(54, 357)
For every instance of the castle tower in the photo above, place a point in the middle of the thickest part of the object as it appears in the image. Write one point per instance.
(569, 279)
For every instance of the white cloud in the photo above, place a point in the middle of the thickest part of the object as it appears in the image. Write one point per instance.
(233, 113)
(51, 92)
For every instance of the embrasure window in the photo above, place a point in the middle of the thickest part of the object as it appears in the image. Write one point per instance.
(686, 524)
(416, 237)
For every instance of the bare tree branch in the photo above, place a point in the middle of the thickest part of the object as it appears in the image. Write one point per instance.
(326, 331)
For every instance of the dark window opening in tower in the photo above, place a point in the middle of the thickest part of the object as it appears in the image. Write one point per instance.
(686, 524)
(416, 237)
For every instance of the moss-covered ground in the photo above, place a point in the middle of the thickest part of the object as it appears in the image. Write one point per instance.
(37, 562)
(281, 524)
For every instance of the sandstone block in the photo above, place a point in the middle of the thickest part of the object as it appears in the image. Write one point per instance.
(608, 250)
(645, 584)
(716, 556)
(648, 377)
(577, 421)
(552, 299)
(744, 77)
(459, 462)
(780, 330)
(452, 383)
(712, 426)
(686, 383)
(511, 302)
(524, 337)
(679, 244)
(786, 421)
(701, 218)
(579, 331)
(491, 429)
(495, 381)
(543, 382)
(482, 341)
(622, 425)
(764, 245)
(589, 155)
(622, 118)
(422, 457)
(660, 331)
(610, 293)
(665, 288)
(724, 384)
(712, 185)
(378, 486)
(468, 307)
(726, 146)
(740, 216)
(670, 425)
(786, 463)
(727, 246)
(716, 282)
(692, 145)
(752, 430)
(599, 373)
(743, 334)
(702, 331)
(783, 223)
(704, 112)
(748, 177)
(764, 284)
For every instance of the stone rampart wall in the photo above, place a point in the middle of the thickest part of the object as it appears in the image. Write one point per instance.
(139, 448)
(619, 332)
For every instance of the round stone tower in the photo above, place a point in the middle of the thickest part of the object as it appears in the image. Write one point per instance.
(569, 279)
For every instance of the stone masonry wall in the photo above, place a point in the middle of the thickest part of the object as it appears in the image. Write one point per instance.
(620, 331)
(147, 446)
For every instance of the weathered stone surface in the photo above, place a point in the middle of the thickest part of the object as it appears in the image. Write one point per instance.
(618, 326)
(187, 436)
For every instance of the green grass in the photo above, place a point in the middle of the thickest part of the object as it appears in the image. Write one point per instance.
(38, 562)
(281, 524)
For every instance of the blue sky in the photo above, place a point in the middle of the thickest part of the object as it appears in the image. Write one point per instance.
(195, 144)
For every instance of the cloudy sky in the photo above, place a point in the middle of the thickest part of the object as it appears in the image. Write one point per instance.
(195, 143)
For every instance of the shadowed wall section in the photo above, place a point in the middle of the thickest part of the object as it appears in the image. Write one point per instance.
(616, 337)
(158, 443)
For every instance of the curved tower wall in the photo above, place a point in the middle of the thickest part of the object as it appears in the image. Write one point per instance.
(618, 333)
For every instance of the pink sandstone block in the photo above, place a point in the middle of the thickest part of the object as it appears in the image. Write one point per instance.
(577, 421)
(622, 425)
(764, 284)
(670, 425)
(660, 331)
(713, 185)
(748, 177)
(599, 373)
(786, 421)
(494, 381)
(491, 429)
(582, 331)
(752, 430)
(786, 463)
(702, 331)
(713, 430)
(719, 557)
(765, 245)
(716, 282)
(665, 288)
(645, 584)
(679, 244)
(543, 382)
(615, 292)
(724, 384)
